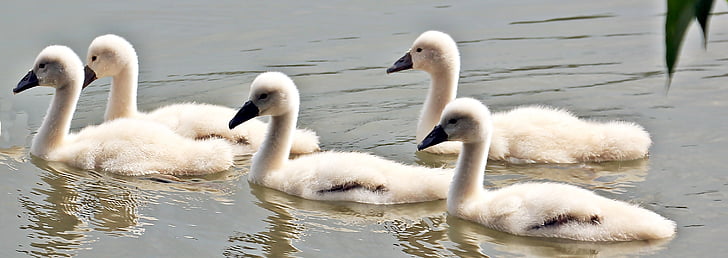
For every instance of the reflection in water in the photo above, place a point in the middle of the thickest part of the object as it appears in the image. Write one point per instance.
(436, 160)
(70, 204)
(412, 224)
(422, 237)
(469, 237)
(614, 177)
(11, 156)
(276, 241)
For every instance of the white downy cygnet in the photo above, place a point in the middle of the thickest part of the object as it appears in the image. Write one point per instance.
(113, 56)
(528, 134)
(531, 209)
(340, 176)
(123, 146)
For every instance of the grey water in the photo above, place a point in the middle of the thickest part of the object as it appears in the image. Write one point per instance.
(603, 60)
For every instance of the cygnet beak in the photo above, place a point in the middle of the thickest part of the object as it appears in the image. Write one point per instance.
(89, 76)
(28, 81)
(247, 112)
(436, 136)
(404, 63)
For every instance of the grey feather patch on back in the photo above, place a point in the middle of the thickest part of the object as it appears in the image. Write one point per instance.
(562, 219)
(348, 186)
(209, 136)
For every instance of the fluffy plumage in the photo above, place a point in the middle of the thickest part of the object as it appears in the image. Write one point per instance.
(123, 146)
(111, 55)
(529, 134)
(342, 176)
(532, 209)
(550, 135)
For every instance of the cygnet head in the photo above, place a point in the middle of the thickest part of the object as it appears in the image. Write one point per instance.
(107, 56)
(271, 93)
(433, 52)
(464, 119)
(56, 66)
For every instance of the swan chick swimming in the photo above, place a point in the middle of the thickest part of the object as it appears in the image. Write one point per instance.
(528, 134)
(123, 146)
(113, 56)
(340, 176)
(531, 209)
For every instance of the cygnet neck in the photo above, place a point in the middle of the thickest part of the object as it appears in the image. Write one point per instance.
(469, 174)
(443, 89)
(123, 96)
(57, 122)
(273, 153)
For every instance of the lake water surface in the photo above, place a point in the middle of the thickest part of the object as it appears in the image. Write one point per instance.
(600, 59)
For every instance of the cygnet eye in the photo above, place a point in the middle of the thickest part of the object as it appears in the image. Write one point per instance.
(41, 66)
(419, 49)
(93, 58)
(452, 121)
(263, 96)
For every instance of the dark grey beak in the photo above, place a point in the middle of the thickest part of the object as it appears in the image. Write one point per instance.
(247, 112)
(89, 76)
(29, 81)
(436, 136)
(404, 63)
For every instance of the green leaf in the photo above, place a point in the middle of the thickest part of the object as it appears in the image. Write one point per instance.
(680, 13)
(702, 11)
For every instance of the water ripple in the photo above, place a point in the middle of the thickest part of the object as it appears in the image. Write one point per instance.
(464, 42)
(345, 38)
(585, 17)
(251, 50)
(716, 76)
(289, 65)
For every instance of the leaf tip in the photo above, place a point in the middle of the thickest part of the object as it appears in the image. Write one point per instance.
(668, 83)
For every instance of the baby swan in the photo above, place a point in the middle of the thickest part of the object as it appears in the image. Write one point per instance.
(530, 134)
(111, 55)
(340, 176)
(123, 146)
(531, 209)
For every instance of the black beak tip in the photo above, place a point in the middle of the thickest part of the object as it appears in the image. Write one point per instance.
(421, 146)
(436, 136)
(247, 112)
(30, 80)
(89, 76)
(403, 63)
(232, 124)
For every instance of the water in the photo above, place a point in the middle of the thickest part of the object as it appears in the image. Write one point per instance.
(602, 60)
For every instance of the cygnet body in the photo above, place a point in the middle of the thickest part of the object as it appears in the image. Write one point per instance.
(531, 209)
(340, 176)
(113, 56)
(528, 134)
(123, 146)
